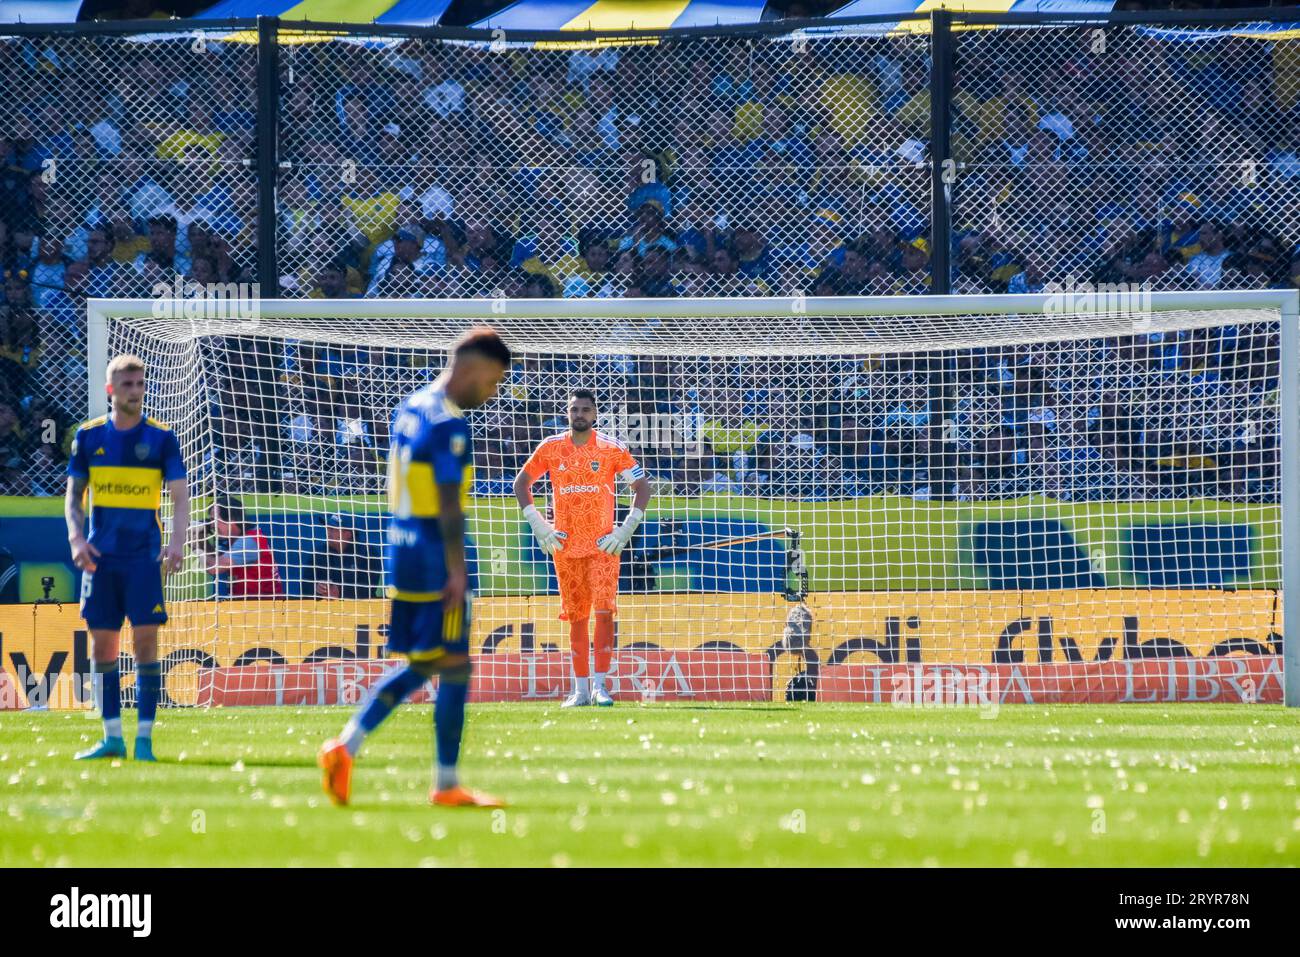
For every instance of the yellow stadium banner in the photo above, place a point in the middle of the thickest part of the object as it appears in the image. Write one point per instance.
(45, 648)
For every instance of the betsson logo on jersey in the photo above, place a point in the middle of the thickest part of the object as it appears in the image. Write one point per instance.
(573, 489)
(120, 488)
(73, 910)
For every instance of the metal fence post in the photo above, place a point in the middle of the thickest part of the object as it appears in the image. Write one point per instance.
(942, 377)
(263, 404)
(942, 165)
(268, 131)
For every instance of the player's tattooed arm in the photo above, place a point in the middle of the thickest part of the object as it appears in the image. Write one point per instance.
(83, 553)
(72, 507)
(173, 553)
(451, 522)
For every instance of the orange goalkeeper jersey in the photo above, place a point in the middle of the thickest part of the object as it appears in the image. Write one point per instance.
(582, 481)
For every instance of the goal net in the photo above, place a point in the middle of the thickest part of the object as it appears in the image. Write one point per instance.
(914, 500)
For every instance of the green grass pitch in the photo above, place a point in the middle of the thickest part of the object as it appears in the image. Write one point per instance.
(775, 785)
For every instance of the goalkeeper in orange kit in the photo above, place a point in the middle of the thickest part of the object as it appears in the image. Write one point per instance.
(585, 544)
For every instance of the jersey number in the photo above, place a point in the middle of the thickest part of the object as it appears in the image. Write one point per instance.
(411, 492)
(399, 482)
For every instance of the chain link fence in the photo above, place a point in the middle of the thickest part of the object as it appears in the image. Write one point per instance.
(449, 164)
(731, 165)
(1126, 154)
(126, 164)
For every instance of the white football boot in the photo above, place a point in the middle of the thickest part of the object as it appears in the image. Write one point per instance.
(599, 696)
(579, 699)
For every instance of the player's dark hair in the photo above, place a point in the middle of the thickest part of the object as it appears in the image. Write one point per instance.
(583, 394)
(231, 509)
(486, 342)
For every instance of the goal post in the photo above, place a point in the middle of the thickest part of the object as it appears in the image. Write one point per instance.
(1044, 497)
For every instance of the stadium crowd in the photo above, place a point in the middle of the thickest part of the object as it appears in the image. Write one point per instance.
(703, 167)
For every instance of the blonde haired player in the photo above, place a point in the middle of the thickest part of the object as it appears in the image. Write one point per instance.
(124, 460)
(584, 543)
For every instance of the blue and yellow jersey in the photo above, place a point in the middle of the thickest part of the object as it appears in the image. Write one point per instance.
(430, 447)
(126, 471)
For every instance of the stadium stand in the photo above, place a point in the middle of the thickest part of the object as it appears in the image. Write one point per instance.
(736, 165)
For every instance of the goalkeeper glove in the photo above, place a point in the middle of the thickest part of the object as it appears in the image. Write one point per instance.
(615, 541)
(550, 540)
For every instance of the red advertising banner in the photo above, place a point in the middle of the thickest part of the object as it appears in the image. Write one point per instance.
(1244, 679)
(1091, 645)
(642, 675)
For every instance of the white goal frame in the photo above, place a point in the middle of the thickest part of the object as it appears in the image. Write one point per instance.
(99, 312)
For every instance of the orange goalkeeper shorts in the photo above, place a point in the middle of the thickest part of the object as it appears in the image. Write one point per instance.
(587, 583)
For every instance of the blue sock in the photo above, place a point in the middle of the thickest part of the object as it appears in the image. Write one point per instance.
(110, 697)
(148, 688)
(449, 717)
(384, 696)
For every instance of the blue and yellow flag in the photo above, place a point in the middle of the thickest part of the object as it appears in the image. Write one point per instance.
(871, 8)
(408, 12)
(622, 14)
